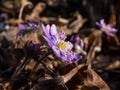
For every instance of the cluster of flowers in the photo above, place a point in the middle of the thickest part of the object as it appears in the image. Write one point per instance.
(56, 40)
(31, 27)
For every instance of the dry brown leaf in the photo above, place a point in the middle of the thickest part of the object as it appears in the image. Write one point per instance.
(91, 38)
(113, 40)
(9, 4)
(114, 65)
(55, 82)
(36, 12)
(75, 25)
(14, 22)
(112, 18)
(93, 82)
(24, 3)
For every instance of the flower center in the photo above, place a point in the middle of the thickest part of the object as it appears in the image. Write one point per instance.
(106, 28)
(62, 45)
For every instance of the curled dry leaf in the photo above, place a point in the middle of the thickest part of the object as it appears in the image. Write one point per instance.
(63, 21)
(9, 4)
(91, 38)
(56, 20)
(113, 40)
(112, 18)
(24, 3)
(114, 65)
(53, 83)
(48, 19)
(36, 12)
(54, 3)
(94, 82)
(14, 22)
(31, 37)
(75, 25)
(8, 7)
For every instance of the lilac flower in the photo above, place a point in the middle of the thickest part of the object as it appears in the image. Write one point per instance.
(34, 26)
(31, 27)
(61, 48)
(108, 29)
(78, 44)
(4, 16)
(34, 47)
(22, 29)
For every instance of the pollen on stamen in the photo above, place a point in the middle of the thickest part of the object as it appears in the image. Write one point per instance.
(62, 45)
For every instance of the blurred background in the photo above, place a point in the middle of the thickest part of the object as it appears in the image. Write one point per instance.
(73, 16)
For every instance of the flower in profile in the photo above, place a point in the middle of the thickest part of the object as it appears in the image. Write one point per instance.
(31, 27)
(61, 48)
(78, 44)
(4, 16)
(31, 48)
(34, 47)
(22, 29)
(107, 28)
(34, 26)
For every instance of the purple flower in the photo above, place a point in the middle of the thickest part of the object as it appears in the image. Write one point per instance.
(108, 29)
(77, 44)
(31, 27)
(34, 47)
(61, 48)
(4, 16)
(22, 29)
(34, 26)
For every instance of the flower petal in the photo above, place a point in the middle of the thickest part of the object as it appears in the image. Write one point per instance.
(53, 30)
(108, 29)
(69, 46)
(76, 58)
(62, 35)
(49, 41)
(22, 27)
(46, 30)
(57, 51)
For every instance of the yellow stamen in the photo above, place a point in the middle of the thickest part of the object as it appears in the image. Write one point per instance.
(106, 28)
(62, 45)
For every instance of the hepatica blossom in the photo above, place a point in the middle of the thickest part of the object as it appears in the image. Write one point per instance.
(33, 47)
(61, 48)
(78, 44)
(107, 28)
(34, 26)
(31, 27)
